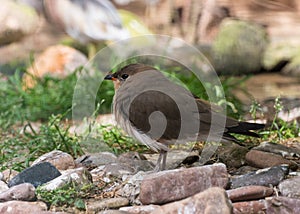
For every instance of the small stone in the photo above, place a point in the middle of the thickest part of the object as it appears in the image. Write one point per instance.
(114, 169)
(279, 149)
(57, 61)
(172, 185)
(8, 174)
(247, 207)
(97, 159)
(244, 170)
(22, 207)
(21, 192)
(249, 193)
(145, 209)
(290, 187)
(267, 159)
(114, 212)
(283, 205)
(262, 177)
(95, 206)
(136, 161)
(36, 175)
(61, 160)
(78, 176)
(3, 186)
(228, 150)
(211, 201)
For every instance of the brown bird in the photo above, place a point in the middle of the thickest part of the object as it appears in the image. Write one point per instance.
(159, 113)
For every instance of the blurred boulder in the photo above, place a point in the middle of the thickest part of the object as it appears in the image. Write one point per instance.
(293, 67)
(239, 47)
(16, 21)
(57, 61)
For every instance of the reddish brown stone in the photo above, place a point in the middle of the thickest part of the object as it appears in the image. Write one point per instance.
(22, 192)
(249, 207)
(211, 201)
(283, 205)
(261, 159)
(172, 185)
(249, 193)
(22, 207)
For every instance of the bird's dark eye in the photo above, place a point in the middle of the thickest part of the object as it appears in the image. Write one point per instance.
(124, 76)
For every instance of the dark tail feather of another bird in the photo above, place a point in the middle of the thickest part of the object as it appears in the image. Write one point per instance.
(243, 128)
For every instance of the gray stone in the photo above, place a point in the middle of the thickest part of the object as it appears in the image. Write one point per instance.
(61, 160)
(78, 176)
(18, 207)
(211, 201)
(136, 161)
(145, 209)
(97, 159)
(36, 175)
(249, 193)
(290, 187)
(22, 192)
(262, 177)
(114, 169)
(279, 149)
(239, 47)
(172, 185)
(94, 206)
(267, 159)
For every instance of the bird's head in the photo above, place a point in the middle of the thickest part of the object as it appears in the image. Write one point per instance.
(126, 73)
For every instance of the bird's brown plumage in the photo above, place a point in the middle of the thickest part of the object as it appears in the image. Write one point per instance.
(143, 90)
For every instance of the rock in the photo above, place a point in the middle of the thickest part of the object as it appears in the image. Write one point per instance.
(267, 159)
(78, 176)
(279, 149)
(172, 185)
(57, 61)
(8, 174)
(131, 188)
(249, 193)
(113, 212)
(228, 150)
(211, 201)
(244, 170)
(293, 67)
(247, 207)
(114, 169)
(145, 209)
(290, 187)
(136, 161)
(3, 186)
(270, 205)
(262, 177)
(239, 47)
(61, 160)
(36, 175)
(283, 205)
(13, 27)
(97, 159)
(18, 207)
(21, 192)
(95, 206)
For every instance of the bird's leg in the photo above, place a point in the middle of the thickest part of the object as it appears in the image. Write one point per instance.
(161, 161)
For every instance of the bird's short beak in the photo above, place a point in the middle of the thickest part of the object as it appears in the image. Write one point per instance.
(110, 77)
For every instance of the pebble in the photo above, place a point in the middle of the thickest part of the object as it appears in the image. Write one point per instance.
(114, 212)
(97, 159)
(94, 206)
(78, 176)
(36, 175)
(3, 186)
(21, 192)
(228, 150)
(18, 207)
(262, 177)
(267, 159)
(8, 174)
(290, 187)
(172, 185)
(247, 207)
(136, 161)
(214, 200)
(61, 160)
(145, 209)
(279, 149)
(249, 193)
